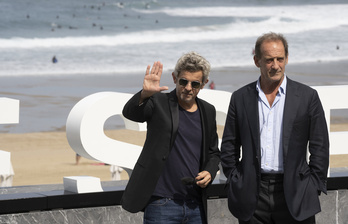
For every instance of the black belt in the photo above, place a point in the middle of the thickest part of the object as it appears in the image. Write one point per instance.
(188, 199)
(272, 176)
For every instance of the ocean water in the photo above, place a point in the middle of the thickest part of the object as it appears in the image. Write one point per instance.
(116, 41)
(111, 37)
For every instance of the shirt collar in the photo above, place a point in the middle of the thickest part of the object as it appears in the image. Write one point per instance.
(282, 88)
(283, 85)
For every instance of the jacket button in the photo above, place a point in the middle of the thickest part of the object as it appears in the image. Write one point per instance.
(164, 158)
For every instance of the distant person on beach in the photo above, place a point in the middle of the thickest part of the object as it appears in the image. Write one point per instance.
(77, 159)
(54, 59)
(180, 156)
(212, 85)
(270, 123)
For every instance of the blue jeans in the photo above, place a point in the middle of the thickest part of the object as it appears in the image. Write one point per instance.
(170, 211)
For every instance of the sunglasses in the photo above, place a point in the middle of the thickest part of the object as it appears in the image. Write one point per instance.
(194, 84)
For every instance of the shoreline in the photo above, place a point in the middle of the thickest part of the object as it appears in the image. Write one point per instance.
(335, 67)
(46, 101)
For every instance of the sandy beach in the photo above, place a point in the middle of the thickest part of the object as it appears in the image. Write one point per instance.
(40, 152)
(46, 157)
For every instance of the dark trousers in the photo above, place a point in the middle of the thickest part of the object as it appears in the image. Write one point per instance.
(271, 207)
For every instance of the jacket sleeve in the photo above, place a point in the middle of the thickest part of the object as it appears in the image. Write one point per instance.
(230, 146)
(318, 143)
(212, 165)
(134, 111)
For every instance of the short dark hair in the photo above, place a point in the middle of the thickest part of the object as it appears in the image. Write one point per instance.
(270, 37)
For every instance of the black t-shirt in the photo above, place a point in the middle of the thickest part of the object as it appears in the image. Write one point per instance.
(183, 160)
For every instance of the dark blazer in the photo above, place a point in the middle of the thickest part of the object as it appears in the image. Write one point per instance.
(161, 112)
(303, 124)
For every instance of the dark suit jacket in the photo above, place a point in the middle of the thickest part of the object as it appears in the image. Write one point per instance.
(161, 112)
(303, 124)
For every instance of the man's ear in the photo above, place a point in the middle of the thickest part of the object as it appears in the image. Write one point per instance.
(203, 84)
(174, 77)
(256, 61)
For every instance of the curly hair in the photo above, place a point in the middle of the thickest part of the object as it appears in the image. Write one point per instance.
(192, 62)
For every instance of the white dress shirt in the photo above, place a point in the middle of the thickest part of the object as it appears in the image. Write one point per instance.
(271, 129)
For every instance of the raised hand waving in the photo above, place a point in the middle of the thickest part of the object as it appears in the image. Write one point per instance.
(151, 84)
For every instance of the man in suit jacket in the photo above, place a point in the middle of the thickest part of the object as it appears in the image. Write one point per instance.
(269, 125)
(180, 156)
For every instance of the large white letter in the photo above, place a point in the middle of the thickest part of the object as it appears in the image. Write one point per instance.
(333, 97)
(9, 114)
(85, 130)
(85, 126)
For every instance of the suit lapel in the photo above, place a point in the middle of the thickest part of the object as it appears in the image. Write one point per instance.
(250, 101)
(292, 103)
(174, 110)
(204, 122)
